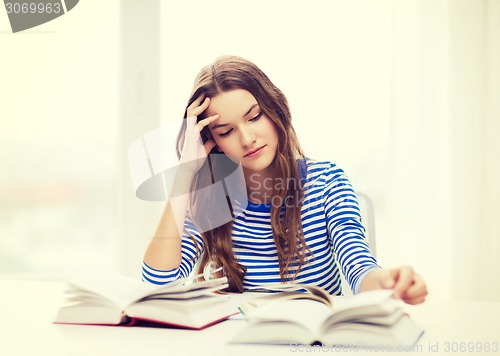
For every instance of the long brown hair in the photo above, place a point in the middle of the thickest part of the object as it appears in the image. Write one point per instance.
(229, 73)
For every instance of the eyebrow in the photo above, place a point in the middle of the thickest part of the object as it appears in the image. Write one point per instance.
(216, 126)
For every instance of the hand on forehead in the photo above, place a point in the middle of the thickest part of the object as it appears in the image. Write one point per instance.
(232, 105)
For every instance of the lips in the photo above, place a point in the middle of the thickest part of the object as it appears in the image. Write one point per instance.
(257, 149)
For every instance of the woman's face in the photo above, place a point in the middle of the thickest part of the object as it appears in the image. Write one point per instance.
(243, 130)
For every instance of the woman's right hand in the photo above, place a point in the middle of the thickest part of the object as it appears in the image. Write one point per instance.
(194, 152)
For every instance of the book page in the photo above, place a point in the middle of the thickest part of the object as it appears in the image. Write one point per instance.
(178, 287)
(188, 294)
(286, 291)
(293, 287)
(118, 289)
(122, 291)
(308, 313)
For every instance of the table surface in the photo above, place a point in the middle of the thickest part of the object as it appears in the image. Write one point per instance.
(28, 309)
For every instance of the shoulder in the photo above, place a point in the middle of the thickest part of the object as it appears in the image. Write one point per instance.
(326, 179)
(322, 171)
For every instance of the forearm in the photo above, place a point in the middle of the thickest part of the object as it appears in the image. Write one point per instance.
(164, 249)
(370, 281)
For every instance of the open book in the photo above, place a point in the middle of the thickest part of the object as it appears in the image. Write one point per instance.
(367, 320)
(114, 300)
(287, 291)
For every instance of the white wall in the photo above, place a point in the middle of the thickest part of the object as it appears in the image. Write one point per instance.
(398, 93)
(332, 59)
(139, 113)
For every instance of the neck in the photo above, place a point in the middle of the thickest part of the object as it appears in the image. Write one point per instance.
(259, 185)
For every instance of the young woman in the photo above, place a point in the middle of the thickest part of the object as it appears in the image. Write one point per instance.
(302, 215)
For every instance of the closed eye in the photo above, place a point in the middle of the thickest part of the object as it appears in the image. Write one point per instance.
(255, 118)
(225, 133)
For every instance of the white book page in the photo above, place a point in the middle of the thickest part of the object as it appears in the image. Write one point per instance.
(119, 289)
(308, 313)
(184, 295)
(178, 286)
(374, 297)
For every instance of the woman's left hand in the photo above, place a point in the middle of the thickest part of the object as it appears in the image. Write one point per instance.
(407, 284)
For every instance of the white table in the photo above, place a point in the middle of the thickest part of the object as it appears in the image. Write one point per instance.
(27, 309)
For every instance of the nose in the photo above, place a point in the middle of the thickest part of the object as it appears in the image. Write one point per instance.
(247, 137)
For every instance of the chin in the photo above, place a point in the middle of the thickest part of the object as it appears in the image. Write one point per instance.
(255, 167)
(258, 165)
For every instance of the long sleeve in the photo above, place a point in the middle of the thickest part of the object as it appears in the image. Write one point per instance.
(188, 260)
(346, 229)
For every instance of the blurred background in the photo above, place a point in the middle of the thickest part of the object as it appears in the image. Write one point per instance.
(403, 95)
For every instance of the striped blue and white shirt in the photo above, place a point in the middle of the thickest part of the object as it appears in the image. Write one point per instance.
(333, 231)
